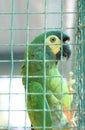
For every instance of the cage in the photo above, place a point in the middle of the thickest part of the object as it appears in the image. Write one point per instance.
(20, 22)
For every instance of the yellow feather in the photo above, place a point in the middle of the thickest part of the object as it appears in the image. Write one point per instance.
(54, 45)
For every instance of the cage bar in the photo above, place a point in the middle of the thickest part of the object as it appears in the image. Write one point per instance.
(20, 23)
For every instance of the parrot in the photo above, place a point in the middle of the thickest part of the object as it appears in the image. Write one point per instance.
(48, 97)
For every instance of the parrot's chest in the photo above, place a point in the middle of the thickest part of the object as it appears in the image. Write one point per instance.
(54, 81)
(57, 86)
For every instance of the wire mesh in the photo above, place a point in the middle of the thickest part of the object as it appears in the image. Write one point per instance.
(21, 21)
(82, 60)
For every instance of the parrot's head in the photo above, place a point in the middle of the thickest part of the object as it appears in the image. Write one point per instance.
(58, 44)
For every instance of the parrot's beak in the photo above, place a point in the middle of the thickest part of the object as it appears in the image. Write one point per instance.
(65, 51)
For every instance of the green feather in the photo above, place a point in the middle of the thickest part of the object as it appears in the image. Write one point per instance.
(37, 104)
(57, 94)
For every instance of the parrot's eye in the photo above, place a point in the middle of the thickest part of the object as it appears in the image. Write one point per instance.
(52, 39)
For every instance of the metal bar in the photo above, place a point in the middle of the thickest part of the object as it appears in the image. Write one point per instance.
(82, 20)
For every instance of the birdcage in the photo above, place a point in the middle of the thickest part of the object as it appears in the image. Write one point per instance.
(20, 22)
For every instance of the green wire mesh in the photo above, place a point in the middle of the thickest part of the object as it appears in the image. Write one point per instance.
(12, 63)
(82, 62)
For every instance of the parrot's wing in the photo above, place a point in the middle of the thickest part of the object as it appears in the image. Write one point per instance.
(39, 112)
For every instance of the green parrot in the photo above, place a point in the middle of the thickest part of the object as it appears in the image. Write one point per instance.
(47, 95)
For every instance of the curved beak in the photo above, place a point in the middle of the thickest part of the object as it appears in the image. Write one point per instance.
(65, 51)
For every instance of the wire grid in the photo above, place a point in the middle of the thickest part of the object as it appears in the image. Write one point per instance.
(79, 65)
(82, 62)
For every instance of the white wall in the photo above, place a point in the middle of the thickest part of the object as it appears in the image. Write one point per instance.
(12, 103)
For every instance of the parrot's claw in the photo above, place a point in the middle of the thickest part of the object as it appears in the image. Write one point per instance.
(73, 119)
(71, 83)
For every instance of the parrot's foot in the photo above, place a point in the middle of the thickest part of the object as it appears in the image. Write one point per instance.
(71, 116)
(71, 83)
(73, 122)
